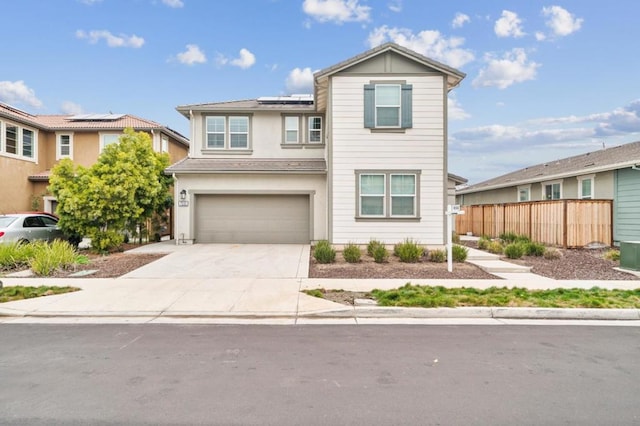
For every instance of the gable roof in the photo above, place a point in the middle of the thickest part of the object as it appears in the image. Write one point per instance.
(613, 158)
(71, 122)
(320, 78)
(454, 76)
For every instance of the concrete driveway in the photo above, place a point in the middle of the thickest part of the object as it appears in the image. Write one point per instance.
(225, 261)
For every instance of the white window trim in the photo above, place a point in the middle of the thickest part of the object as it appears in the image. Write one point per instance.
(521, 188)
(101, 135)
(414, 195)
(592, 177)
(551, 182)
(238, 133)
(19, 154)
(399, 106)
(164, 143)
(59, 155)
(309, 129)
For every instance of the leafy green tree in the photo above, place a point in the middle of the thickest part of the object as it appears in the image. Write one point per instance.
(126, 185)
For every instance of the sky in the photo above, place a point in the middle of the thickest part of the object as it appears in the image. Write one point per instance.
(545, 79)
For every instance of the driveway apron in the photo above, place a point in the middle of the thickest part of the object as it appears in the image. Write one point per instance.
(228, 261)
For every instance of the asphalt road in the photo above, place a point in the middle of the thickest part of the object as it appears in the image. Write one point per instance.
(318, 375)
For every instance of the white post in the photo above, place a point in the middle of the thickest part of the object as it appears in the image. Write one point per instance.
(449, 240)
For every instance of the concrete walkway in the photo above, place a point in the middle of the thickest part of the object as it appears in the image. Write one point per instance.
(161, 295)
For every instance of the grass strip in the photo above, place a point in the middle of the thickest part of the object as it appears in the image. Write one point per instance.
(9, 294)
(425, 296)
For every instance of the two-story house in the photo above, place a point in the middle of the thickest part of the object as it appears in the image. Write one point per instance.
(30, 145)
(364, 157)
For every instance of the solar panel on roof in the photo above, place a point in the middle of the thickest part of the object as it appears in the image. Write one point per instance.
(96, 117)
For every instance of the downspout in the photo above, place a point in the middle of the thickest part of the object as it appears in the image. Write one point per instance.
(175, 207)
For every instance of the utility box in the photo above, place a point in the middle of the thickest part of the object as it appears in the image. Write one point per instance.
(630, 255)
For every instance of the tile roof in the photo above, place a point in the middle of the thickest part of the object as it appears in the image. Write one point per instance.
(40, 176)
(605, 159)
(217, 165)
(68, 122)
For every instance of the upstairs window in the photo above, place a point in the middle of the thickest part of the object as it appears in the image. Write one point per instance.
(291, 129)
(27, 143)
(64, 146)
(11, 139)
(227, 132)
(315, 129)
(164, 143)
(107, 139)
(388, 106)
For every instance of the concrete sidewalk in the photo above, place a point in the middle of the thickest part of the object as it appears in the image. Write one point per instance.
(278, 301)
(160, 292)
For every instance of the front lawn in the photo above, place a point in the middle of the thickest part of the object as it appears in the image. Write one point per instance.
(433, 297)
(9, 294)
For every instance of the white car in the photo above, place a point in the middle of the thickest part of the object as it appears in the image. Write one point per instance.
(27, 227)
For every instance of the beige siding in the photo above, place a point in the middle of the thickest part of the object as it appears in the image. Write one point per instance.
(357, 148)
(266, 129)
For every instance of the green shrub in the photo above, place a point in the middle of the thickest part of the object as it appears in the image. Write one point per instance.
(514, 250)
(373, 244)
(612, 254)
(522, 239)
(552, 254)
(459, 253)
(324, 253)
(47, 258)
(495, 247)
(380, 254)
(508, 237)
(437, 256)
(534, 249)
(483, 242)
(408, 251)
(352, 253)
(105, 241)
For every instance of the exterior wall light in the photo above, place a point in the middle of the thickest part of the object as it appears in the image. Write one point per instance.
(183, 195)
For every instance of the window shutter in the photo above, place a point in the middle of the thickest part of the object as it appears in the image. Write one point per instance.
(369, 106)
(407, 106)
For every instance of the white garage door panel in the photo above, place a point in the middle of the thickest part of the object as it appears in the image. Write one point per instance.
(252, 218)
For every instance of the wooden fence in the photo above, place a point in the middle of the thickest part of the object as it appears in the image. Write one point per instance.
(566, 223)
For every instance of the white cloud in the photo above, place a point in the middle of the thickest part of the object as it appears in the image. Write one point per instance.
(193, 55)
(395, 6)
(112, 40)
(509, 25)
(561, 22)
(245, 60)
(429, 43)
(459, 20)
(90, 2)
(455, 110)
(513, 67)
(69, 107)
(300, 80)
(173, 3)
(16, 92)
(337, 11)
(540, 36)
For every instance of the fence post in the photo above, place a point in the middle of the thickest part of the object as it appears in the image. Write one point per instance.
(564, 224)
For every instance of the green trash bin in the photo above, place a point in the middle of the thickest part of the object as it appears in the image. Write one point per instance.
(630, 255)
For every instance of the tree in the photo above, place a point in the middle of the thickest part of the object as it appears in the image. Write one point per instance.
(126, 185)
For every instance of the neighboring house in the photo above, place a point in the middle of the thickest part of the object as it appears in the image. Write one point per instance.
(364, 157)
(30, 145)
(612, 173)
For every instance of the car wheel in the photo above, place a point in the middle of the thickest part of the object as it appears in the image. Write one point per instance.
(23, 241)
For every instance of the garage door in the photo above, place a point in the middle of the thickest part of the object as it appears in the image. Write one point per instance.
(626, 205)
(252, 218)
